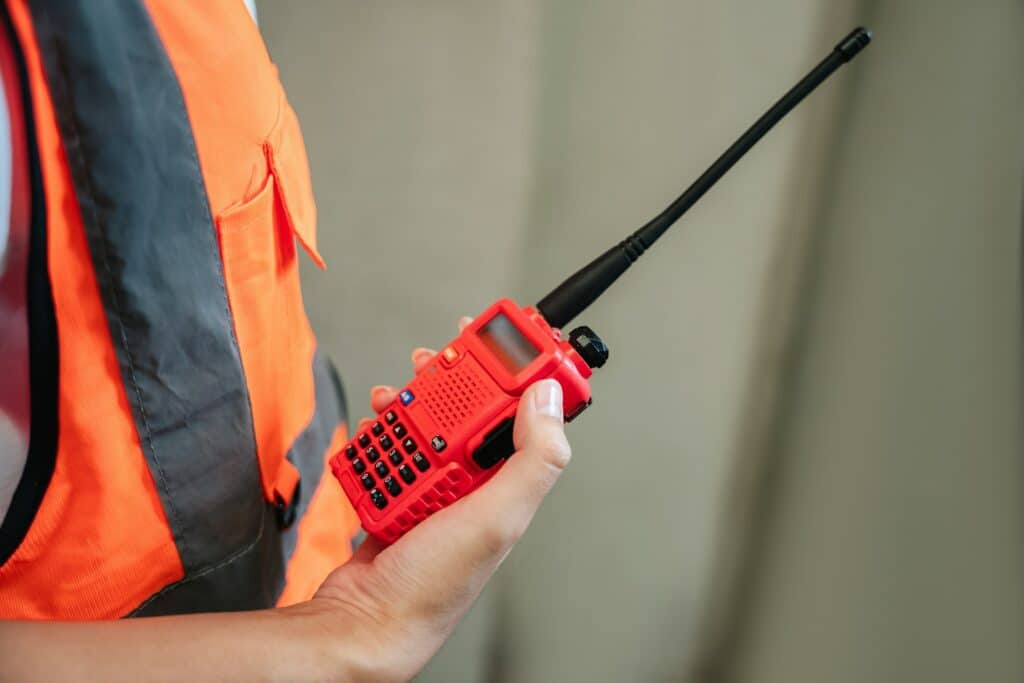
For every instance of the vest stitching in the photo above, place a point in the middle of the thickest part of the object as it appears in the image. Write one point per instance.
(212, 568)
(214, 245)
(77, 148)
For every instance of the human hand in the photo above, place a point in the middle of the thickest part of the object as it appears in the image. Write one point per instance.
(397, 605)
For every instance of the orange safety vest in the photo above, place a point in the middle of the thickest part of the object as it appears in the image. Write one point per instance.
(194, 414)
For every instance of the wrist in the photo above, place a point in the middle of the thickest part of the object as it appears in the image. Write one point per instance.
(318, 644)
(340, 644)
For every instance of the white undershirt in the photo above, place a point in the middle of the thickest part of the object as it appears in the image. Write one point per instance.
(14, 328)
(13, 332)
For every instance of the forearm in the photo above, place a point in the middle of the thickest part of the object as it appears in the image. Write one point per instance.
(380, 617)
(271, 645)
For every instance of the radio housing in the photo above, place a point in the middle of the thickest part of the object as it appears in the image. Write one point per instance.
(450, 428)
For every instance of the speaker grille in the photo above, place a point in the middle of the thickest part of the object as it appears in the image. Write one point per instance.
(453, 396)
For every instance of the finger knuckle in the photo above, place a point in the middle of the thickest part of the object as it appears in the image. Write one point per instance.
(556, 453)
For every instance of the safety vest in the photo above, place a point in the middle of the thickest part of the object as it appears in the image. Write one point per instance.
(179, 463)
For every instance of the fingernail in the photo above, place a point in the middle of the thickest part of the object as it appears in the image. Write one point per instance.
(378, 389)
(420, 353)
(547, 398)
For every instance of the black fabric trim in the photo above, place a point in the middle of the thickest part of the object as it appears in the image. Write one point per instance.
(42, 337)
(154, 250)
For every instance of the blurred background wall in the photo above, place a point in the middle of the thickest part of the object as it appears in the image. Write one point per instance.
(803, 460)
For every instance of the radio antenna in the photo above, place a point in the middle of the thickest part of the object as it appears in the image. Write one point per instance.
(571, 297)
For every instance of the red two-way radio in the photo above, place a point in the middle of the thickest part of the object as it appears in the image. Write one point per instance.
(450, 428)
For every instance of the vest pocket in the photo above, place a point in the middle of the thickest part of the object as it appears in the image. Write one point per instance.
(257, 240)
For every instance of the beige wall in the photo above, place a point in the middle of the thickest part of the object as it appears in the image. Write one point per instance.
(895, 530)
(637, 99)
(463, 151)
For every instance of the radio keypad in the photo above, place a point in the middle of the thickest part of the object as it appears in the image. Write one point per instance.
(386, 439)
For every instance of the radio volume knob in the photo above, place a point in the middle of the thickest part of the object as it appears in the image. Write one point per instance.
(589, 346)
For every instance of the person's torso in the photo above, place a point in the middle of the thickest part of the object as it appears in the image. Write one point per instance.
(188, 399)
(14, 240)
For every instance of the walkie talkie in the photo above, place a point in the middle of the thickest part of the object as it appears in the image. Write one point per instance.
(450, 428)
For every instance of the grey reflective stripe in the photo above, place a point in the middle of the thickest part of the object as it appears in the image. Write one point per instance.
(307, 453)
(254, 577)
(153, 246)
(155, 254)
(250, 578)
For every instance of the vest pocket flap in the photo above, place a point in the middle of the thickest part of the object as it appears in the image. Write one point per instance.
(286, 157)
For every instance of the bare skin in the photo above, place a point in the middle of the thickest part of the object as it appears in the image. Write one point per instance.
(380, 617)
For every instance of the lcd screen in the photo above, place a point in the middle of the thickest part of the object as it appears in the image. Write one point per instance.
(507, 343)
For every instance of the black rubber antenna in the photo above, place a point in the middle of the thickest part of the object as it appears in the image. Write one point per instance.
(571, 297)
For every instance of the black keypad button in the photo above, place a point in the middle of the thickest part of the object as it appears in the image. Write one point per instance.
(390, 417)
(394, 456)
(378, 499)
(364, 440)
(409, 445)
(421, 463)
(367, 481)
(382, 468)
(399, 430)
(372, 454)
(386, 442)
(392, 486)
(408, 476)
(350, 451)
(438, 444)
(359, 466)
(377, 429)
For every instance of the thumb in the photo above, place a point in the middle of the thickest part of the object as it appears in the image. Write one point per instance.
(542, 451)
(499, 512)
(478, 530)
(540, 426)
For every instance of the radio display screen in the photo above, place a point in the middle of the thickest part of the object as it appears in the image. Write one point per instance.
(506, 343)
